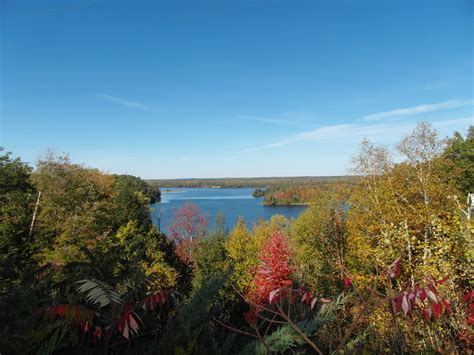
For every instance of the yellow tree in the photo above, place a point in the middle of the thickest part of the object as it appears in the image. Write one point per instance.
(243, 254)
(408, 210)
(262, 229)
(148, 248)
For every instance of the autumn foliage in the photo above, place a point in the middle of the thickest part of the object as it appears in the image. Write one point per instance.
(274, 270)
(188, 227)
(381, 266)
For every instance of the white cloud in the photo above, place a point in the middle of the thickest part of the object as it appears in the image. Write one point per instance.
(326, 132)
(289, 119)
(271, 120)
(126, 103)
(351, 132)
(468, 121)
(445, 105)
(433, 86)
(283, 121)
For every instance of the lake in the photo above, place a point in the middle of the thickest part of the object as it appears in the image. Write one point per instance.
(233, 203)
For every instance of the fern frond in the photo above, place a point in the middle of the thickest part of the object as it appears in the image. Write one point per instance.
(137, 284)
(99, 293)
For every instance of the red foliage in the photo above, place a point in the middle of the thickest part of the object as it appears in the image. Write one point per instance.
(251, 317)
(311, 300)
(189, 225)
(426, 300)
(468, 299)
(85, 327)
(97, 333)
(129, 320)
(158, 299)
(128, 323)
(274, 270)
(347, 282)
(395, 268)
(75, 312)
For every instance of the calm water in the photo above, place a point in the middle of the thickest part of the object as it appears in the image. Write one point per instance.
(232, 202)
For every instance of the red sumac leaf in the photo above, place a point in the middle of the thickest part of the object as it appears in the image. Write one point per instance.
(437, 309)
(395, 268)
(405, 304)
(442, 281)
(447, 306)
(422, 294)
(133, 323)
(97, 332)
(125, 332)
(398, 303)
(467, 297)
(426, 313)
(273, 294)
(62, 310)
(432, 288)
(347, 282)
(431, 295)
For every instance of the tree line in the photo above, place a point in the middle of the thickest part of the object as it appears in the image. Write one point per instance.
(256, 182)
(292, 193)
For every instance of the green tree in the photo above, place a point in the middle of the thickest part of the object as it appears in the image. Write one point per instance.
(131, 201)
(211, 254)
(318, 239)
(17, 199)
(74, 210)
(461, 151)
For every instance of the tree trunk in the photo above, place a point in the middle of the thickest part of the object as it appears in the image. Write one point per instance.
(34, 214)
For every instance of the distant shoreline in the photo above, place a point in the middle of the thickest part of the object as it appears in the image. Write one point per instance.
(256, 182)
(286, 204)
(172, 190)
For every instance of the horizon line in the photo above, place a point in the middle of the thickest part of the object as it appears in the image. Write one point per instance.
(252, 177)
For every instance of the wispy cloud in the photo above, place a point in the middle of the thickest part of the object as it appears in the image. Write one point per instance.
(450, 104)
(124, 102)
(433, 86)
(351, 132)
(185, 158)
(321, 133)
(272, 120)
(276, 144)
(278, 121)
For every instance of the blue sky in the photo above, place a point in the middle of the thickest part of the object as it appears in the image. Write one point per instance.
(170, 89)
